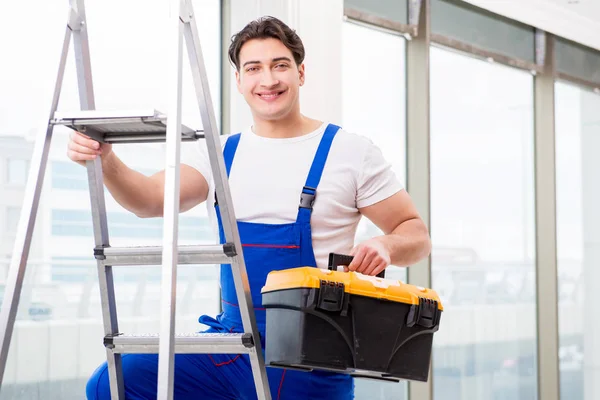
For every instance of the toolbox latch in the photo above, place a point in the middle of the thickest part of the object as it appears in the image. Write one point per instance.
(425, 314)
(331, 296)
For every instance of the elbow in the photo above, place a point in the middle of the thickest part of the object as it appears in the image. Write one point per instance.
(150, 212)
(424, 242)
(158, 210)
(426, 246)
(143, 214)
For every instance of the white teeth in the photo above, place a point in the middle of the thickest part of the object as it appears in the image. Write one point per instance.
(270, 96)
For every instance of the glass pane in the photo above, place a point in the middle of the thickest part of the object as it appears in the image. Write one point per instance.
(17, 171)
(461, 21)
(396, 11)
(380, 115)
(57, 341)
(482, 213)
(12, 219)
(578, 239)
(577, 60)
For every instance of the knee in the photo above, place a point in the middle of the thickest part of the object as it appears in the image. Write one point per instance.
(97, 387)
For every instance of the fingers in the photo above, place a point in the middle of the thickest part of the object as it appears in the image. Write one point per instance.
(82, 148)
(359, 255)
(376, 269)
(375, 263)
(367, 261)
(77, 148)
(84, 141)
(362, 259)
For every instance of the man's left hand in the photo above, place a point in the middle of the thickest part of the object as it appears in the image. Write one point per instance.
(370, 257)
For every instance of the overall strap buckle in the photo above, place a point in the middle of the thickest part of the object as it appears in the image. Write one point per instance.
(307, 197)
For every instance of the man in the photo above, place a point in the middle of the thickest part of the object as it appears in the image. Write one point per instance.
(284, 155)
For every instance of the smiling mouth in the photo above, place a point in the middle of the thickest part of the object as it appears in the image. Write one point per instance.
(271, 96)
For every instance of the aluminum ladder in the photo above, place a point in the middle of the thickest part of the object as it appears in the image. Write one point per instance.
(137, 127)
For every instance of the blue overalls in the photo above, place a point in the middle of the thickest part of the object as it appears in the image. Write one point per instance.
(266, 247)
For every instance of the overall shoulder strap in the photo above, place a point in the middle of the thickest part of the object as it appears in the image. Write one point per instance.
(228, 154)
(229, 150)
(309, 191)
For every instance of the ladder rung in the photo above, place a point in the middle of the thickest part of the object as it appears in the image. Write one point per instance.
(136, 126)
(214, 343)
(152, 255)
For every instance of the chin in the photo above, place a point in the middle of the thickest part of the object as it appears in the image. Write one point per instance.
(272, 115)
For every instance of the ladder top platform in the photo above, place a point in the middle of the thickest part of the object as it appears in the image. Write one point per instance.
(132, 126)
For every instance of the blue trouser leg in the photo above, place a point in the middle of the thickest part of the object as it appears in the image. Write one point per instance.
(216, 377)
(196, 377)
(288, 384)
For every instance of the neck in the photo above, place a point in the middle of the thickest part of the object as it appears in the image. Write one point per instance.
(292, 125)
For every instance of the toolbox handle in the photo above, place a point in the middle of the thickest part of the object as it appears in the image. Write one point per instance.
(343, 259)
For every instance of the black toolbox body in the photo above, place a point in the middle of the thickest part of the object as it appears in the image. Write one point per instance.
(350, 323)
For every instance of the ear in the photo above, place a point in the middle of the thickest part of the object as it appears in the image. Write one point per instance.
(237, 81)
(302, 75)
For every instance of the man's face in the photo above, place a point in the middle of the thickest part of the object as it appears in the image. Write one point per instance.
(269, 78)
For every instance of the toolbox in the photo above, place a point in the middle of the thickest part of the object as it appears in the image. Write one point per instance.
(347, 322)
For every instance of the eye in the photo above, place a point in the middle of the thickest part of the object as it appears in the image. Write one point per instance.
(251, 69)
(281, 66)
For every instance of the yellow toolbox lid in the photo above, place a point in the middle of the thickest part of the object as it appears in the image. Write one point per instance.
(354, 283)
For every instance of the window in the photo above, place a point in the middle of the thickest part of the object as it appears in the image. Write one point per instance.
(68, 175)
(17, 171)
(127, 225)
(577, 60)
(368, 55)
(578, 238)
(54, 357)
(13, 214)
(482, 213)
(396, 11)
(462, 21)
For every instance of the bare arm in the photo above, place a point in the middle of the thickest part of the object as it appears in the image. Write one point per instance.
(405, 241)
(144, 195)
(140, 194)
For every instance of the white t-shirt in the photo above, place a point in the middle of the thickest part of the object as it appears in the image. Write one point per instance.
(267, 177)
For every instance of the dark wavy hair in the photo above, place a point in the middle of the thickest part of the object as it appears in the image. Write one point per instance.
(263, 28)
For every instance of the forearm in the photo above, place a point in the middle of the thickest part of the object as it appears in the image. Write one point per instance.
(408, 244)
(132, 190)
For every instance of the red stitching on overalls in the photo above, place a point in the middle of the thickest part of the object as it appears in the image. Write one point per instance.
(272, 246)
(281, 384)
(224, 362)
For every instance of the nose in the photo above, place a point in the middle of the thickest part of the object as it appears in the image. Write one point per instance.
(268, 79)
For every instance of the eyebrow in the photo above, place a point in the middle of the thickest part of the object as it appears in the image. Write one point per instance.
(273, 60)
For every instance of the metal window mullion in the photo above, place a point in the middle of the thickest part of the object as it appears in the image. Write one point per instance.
(583, 83)
(381, 22)
(226, 75)
(483, 53)
(545, 223)
(417, 137)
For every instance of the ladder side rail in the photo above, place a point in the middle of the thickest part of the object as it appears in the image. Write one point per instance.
(97, 202)
(166, 363)
(22, 244)
(215, 153)
(223, 192)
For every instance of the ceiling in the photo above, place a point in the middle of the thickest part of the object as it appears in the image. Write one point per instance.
(577, 20)
(589, 9)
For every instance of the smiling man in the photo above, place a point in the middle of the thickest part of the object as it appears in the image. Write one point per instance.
(299, 188)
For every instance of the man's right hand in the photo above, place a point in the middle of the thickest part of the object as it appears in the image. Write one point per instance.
(81, 148)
